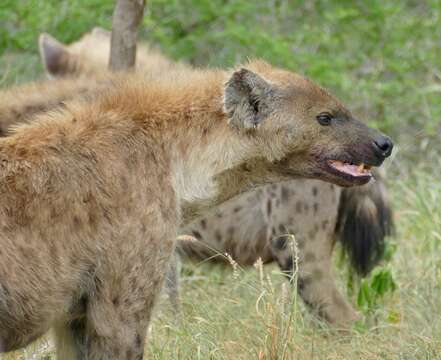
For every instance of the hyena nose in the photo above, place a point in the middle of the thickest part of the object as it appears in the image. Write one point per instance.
(383, 146)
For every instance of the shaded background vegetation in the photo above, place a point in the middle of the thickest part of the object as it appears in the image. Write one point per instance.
(383, 58)
(379, 55)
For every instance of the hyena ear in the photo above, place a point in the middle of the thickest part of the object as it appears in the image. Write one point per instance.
(247, 99)
(54, 55)
(100, 32)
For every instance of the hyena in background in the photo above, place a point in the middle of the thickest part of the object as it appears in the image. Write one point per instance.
(116, 176)
(258, 224)
(90, 56)
(255, 224)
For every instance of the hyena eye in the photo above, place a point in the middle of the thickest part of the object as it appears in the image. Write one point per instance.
(324, 118)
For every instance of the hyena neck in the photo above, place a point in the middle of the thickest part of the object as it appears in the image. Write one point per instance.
(202, 154)
(213, 162)
(249, 174)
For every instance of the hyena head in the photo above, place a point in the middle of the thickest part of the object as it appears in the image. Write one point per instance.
(300, 127)
(87, 56)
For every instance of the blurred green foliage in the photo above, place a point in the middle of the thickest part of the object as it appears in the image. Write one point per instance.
(382, 57)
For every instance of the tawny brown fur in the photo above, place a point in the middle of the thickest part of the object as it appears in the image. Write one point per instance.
(20, 104)
(115, 177)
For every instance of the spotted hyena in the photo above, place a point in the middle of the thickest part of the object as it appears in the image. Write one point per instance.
(259, 224)
(93, 194)
(256, 224)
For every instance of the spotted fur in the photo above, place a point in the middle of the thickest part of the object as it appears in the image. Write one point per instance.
(260, 224)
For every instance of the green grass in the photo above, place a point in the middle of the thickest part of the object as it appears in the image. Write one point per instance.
(382, 58)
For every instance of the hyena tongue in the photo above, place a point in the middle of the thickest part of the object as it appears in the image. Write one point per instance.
(354, 170)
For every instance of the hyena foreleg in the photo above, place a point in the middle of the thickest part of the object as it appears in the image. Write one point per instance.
(315, 281)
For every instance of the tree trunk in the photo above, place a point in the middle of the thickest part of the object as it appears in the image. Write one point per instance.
(127, 16)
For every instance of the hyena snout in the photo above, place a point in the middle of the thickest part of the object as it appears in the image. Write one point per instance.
(382, 146)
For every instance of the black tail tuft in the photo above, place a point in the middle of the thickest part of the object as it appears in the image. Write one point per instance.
(364, 220)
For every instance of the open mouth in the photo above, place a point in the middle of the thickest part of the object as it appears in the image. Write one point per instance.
(353, 170)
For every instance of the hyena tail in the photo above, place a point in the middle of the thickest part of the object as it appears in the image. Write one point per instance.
(365, 218)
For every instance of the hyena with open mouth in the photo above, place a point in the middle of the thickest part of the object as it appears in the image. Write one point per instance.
(93, 194)
(255, 225)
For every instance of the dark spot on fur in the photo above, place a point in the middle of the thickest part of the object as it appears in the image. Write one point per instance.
(282, 228)
(268, 207)
(285, 194)
(303, 282)
(197, 234)
(288, 265)
(237, 209)
(316, 207)
(93, 219)
(204, 224)
(26, 253)
(53, 213)
(273, 231)
(218, 236)
(138, 341)
(314, 191)
(115, 301)
(76, 222)
(280, 243)
(124, 183)
(22, 152)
